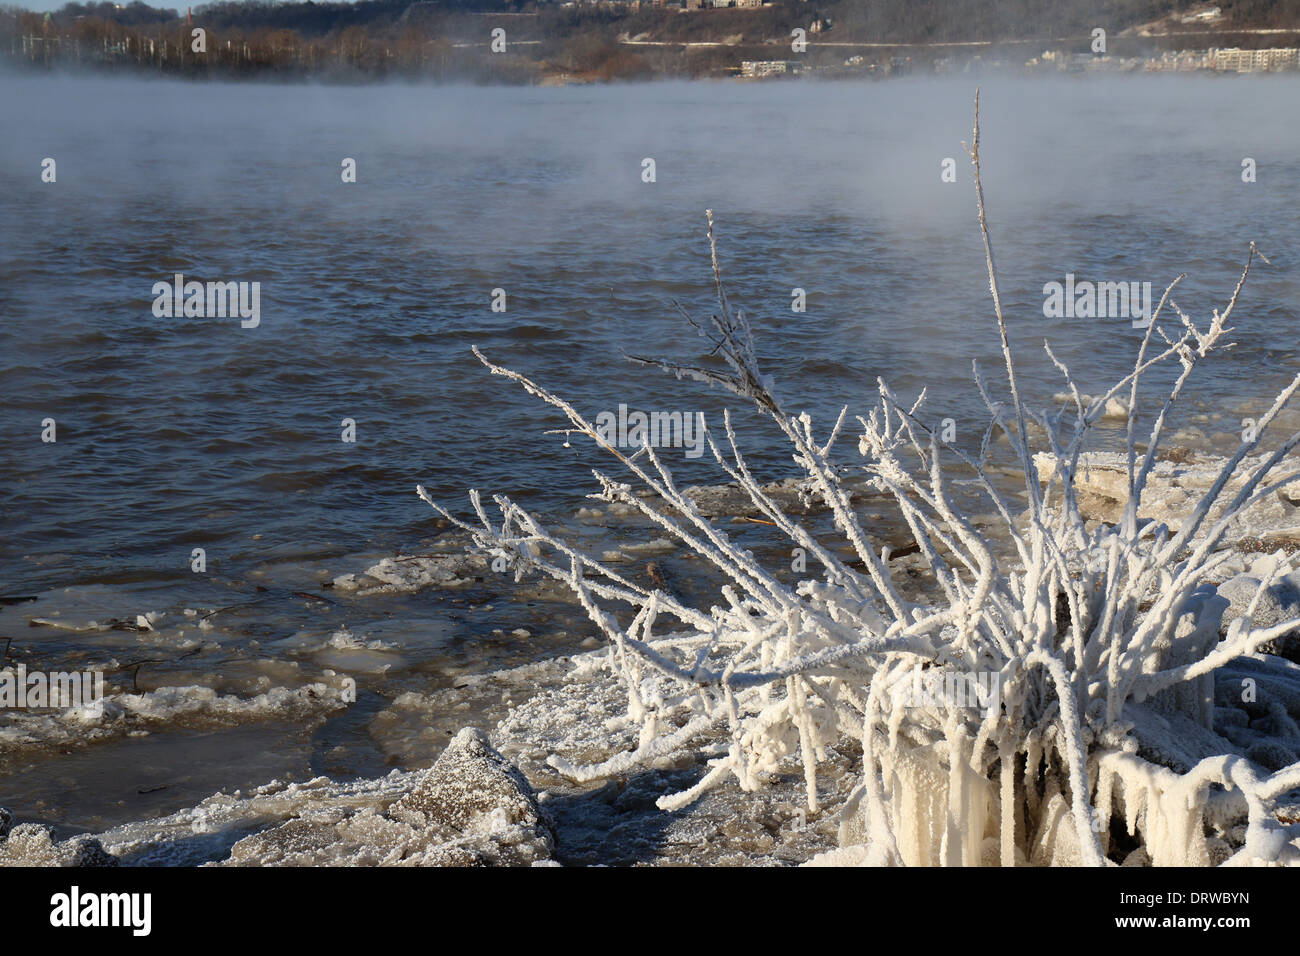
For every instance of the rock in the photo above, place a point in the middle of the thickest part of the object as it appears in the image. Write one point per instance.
(88, 851)
(1175, 486)
(298, 842)
(1219, 850)
(468, 780)
(30, 844)
(1281, 602)
(472, 808)
(1271, 756)
(6, 822)
(1138, 857)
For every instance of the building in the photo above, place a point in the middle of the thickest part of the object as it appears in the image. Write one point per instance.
(1255, 61)
(757, 68)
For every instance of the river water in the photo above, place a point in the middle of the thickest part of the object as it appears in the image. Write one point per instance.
(177, 433)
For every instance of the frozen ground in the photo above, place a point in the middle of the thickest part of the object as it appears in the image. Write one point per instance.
(473, 806)
(493, 796)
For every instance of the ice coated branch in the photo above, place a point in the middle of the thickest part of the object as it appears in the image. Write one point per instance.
(1076, 627)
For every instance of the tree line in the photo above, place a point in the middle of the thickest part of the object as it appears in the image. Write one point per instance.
(451, 39)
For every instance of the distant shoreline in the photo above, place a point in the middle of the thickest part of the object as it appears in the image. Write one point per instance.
(560, 44)
(351, 78)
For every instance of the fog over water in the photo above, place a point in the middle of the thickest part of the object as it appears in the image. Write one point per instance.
(183, 432)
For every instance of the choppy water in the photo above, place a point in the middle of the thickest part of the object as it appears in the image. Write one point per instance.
(179, 433)
(193, 432)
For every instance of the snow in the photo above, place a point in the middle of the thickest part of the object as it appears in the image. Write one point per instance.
(471, 809)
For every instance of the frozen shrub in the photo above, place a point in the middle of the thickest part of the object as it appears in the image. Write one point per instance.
(1089, 649)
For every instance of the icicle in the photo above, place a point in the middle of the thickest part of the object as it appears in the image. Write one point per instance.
(1007, 830)
(1132, 806)
(1033, 759)
(1103, 804)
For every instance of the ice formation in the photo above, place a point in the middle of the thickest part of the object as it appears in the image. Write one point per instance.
(472, 808)
(1121, 730)
(193, 706)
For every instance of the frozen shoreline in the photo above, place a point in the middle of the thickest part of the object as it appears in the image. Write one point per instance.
(568, 706)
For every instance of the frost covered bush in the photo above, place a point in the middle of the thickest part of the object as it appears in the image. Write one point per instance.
(1085, 647)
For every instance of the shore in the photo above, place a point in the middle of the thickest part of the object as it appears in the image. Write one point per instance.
(495, 794)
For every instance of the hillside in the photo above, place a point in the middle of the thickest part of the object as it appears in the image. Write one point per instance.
(452, 39)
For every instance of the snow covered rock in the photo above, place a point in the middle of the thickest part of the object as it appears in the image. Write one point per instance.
(1174, 489)
(1279, 603)
(31, 844)
(472, 808)
(468, 780)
